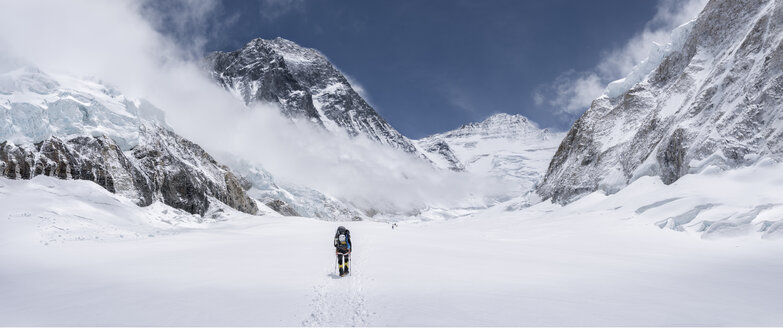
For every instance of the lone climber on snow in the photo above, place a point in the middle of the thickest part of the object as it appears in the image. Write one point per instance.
(342, 244)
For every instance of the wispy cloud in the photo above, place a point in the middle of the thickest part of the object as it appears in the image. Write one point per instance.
(358, 87)
(189, 23)
(670, 14)
(460, 99)
(572, 92)
(273, 9)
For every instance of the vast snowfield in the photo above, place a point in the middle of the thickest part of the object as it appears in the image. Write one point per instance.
(74, 254)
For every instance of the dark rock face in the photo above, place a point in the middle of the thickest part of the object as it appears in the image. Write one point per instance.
(304, 84)
(186, 175)
(96, 159)
(281, 207)
(717, 100)
(441, 148)
(672, 157)
(162, 167)
(257, 64)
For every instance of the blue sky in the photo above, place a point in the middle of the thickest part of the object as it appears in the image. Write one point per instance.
(430, 66)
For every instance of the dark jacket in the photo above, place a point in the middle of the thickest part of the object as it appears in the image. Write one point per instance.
(342, 248)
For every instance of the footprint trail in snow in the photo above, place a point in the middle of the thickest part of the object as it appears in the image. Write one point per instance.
(338, 302)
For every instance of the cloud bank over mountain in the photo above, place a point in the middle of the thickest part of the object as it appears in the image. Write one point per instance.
(115, 43)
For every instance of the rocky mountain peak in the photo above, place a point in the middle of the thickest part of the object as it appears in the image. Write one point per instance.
(304, 84)
(294, 54)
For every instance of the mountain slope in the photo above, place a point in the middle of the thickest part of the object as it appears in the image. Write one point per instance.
(508, 147)
(304, 84)
(72, 128)
(79, 129)
(713, 98)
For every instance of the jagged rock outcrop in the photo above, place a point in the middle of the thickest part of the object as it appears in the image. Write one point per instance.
(437, 147)
(96, 159)
(164, 167)
(713, 98)
(304, 84)
(281, 207)
(185, 175)
(259, 74)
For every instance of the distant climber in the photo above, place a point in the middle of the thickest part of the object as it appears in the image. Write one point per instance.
(342, 244)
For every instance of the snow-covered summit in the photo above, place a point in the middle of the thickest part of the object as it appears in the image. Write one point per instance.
(500, 125)
(294, 54)
(504, 146)
(304, 84)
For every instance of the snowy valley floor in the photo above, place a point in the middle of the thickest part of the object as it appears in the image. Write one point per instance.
(74, 254)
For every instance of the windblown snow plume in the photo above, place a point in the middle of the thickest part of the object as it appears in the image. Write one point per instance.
(571, 93)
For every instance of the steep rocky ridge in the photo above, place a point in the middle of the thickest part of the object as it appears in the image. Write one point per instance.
(714, 99)
(163, 167)
(304, 84)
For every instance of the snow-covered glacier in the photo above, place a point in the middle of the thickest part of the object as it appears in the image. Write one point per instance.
(77, 254)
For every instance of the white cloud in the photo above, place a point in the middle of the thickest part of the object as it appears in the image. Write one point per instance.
(358, 87)
(458, 97)
(274, 9)
(538, 98)
(112, 40)
(184, 20)
(188, 23)
(572, 92)
(462, 102)
(670, 14)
